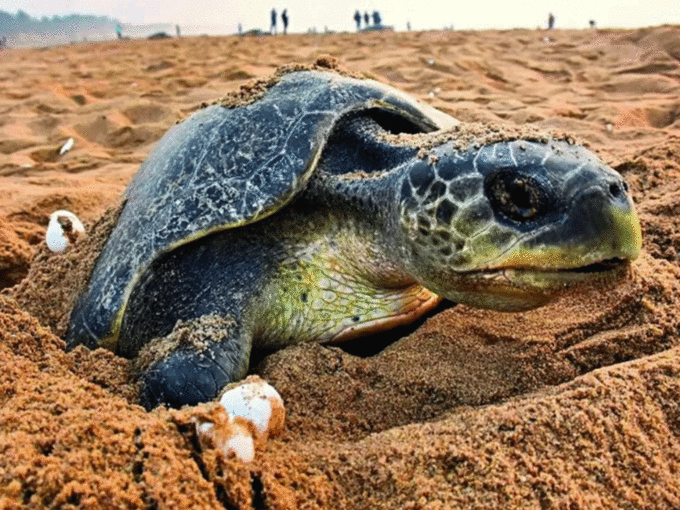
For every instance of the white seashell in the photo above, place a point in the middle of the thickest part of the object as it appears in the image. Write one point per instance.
(64, 226)
(67, 146)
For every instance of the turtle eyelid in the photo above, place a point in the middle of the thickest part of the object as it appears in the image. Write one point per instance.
(395, 120)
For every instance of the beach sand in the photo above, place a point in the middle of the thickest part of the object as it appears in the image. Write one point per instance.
(572, 406)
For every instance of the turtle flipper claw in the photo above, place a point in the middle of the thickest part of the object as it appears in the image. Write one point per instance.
(183, 378)
(193, 363)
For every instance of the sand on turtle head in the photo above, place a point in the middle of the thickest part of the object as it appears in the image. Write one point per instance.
(465, 135)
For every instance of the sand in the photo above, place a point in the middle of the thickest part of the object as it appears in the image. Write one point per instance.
(575, 405)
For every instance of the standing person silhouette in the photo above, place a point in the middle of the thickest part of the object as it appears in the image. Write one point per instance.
(272, 28)
(367, 20)
(357, 19)
(551, 21)
(284, 20)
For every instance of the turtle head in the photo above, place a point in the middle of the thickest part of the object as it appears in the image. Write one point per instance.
(509, 225)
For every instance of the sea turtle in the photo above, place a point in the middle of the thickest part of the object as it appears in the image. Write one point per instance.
(329, 207)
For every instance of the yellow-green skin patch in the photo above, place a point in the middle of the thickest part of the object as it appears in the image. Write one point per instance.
(336, 283)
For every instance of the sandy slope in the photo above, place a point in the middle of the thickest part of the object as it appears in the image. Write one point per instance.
(575, 405)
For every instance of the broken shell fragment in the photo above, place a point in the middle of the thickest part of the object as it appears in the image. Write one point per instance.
(68, 145)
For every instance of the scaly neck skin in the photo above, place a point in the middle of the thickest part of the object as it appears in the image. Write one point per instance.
(366, 219)
(339, 277)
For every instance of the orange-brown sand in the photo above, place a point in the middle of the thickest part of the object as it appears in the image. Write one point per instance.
(573, 406)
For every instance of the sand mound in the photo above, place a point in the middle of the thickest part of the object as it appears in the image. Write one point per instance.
(574, 405)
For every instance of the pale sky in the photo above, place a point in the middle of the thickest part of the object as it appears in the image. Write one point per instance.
(213, 16)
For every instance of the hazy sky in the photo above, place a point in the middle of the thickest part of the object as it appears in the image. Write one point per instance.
(223, 16)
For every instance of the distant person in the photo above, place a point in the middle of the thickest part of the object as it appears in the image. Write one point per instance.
(272, 28)
(357, 19)
(179, 34)
(119, 31)
(284, 20)
(408, 26)
(240, 29)
(551, 21)
(376, 18)
(367, 19)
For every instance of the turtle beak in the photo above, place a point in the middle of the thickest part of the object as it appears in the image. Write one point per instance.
(603, 225)
(626, 236)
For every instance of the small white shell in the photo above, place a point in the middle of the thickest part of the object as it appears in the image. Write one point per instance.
(67, 146)
(57, 239)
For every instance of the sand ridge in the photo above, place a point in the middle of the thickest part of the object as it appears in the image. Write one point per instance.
(570, 406)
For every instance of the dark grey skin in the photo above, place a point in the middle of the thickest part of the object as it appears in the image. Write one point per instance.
(362, 235)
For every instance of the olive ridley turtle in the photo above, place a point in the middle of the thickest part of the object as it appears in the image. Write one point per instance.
(330, 207)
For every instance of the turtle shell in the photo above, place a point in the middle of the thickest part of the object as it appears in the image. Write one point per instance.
(222, 168)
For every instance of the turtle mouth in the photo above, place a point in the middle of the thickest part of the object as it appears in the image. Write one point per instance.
(602, 266)
(541, 284)
(523, 288)
(550, 279)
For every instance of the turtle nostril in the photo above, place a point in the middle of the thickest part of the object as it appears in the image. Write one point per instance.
(617, 190)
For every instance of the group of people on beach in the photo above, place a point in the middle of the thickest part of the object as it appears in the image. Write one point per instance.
(284, 21)
(372, 20)
(377, 20)
(358, 17)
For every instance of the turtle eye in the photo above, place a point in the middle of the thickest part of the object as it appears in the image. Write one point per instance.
(515, 195)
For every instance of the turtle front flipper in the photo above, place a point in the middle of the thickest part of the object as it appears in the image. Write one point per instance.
(193, 363)
(185, 319)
